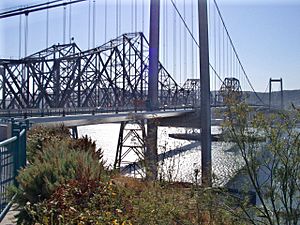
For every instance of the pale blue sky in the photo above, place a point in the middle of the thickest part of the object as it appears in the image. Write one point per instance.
(267, 37)
(266, 34)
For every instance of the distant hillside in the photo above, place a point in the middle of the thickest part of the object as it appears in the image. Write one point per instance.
(289, 97)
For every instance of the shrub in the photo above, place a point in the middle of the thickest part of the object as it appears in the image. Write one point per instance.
(82, 202)
(86, 144)
(55, 166)
(39, 137)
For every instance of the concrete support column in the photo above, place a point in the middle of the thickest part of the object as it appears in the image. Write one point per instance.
(206, 162)
(151, 156)
(153, 54)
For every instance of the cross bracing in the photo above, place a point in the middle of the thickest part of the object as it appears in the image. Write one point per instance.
(112, 75)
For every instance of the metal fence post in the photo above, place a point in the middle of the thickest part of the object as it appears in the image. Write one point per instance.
(15, 148)
(23, 133)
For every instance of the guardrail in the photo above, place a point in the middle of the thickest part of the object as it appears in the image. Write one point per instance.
(25, 113)
(12, 158)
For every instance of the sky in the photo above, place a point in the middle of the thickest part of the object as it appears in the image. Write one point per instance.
(265, 33)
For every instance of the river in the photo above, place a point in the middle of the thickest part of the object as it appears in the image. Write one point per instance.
(181, 164)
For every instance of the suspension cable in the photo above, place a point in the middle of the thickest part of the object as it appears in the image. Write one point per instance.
(89, 23)
(215, 47)
(166, 30)
(192, 48)
(20, 36)
(105, 21)
(26, 33)
(117, 18)
(185, 45)
(47, 28)
(120, 17)
(174, 44)
(35, 8)
(70, 22)
(188, 29)
(94, 22)
(143, 16)
(234, 49)
(64, 24)
(180, 56)
(135, 16)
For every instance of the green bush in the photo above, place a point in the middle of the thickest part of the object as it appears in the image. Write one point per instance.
(39, 137)
(55, 166)
(82, 202)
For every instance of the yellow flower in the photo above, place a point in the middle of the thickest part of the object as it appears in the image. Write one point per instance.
(115, 222)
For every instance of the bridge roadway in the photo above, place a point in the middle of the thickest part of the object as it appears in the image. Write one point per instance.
(101, 118)
(176, 117)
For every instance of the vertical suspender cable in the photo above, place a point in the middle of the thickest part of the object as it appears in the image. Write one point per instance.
(215, 49)
(193, 60)
(117, 18)
(180, 56)
(70, 23)
(47, 28)
(94, 22)
(26, 33)
(105, 21)
(164, 32)
(223, 75)
(166, 41)
(120, 17)
(89, 23)
(132, 15)
(20, 36)
(143, 16)
(135, 16)
(64, 24)
(219, 47)
(174, 43)
(232, 63)
(197, 52)
(227, 58)
(184, 45)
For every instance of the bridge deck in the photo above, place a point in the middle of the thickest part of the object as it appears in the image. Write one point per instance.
(84, 120)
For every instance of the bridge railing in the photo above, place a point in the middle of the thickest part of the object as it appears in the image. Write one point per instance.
(12, 158)
(24, 113)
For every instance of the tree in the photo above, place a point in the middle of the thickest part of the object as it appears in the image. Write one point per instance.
(269, 144)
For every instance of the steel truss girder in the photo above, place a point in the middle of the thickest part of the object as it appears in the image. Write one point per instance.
(112, 75)
(230, 91)
(131, 142)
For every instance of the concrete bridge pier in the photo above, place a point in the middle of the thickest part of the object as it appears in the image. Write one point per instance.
(151, 155)
(74, 132)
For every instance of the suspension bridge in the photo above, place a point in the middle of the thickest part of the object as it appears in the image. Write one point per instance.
(158, 62)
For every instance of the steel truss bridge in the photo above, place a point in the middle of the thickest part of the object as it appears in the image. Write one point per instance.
(114, 75)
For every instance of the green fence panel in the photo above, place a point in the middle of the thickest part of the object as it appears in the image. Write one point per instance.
(12, 159)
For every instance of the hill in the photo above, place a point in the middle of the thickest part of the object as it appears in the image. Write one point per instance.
(289, 97)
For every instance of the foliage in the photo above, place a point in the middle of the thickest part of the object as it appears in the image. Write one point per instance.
(86, 144)
(272, 167)
(82, 201)
(66, 184)
(56, 165)
(40, 137)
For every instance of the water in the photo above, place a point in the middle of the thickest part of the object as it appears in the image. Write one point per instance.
(181, 164)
